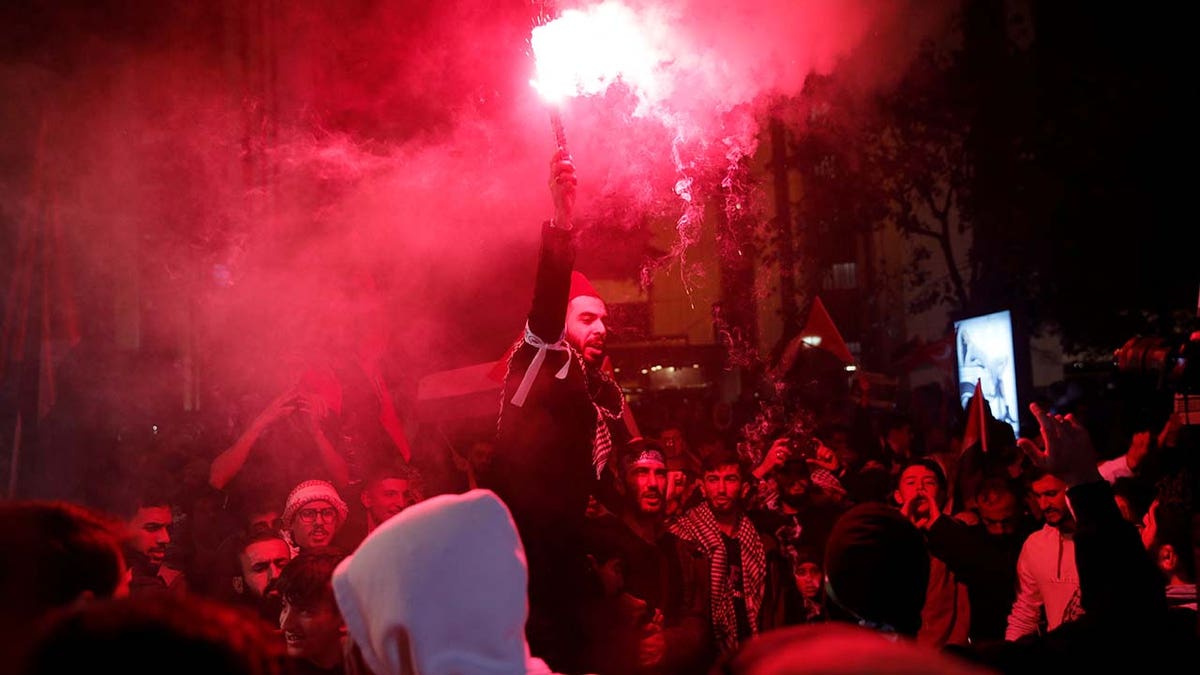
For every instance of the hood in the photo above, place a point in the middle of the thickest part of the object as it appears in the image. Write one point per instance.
(439, 588)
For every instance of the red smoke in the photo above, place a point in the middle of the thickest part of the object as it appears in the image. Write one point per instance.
(226, 171)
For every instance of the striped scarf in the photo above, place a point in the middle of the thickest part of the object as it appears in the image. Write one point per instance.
(602, 440)
(699, 526)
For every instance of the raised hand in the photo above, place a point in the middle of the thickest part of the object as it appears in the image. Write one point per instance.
(1068, 451)
(1139, 447)
(313, 409)
(774, 457)
(920, 511)
(562, 189)
(282, 406)
(826, 459)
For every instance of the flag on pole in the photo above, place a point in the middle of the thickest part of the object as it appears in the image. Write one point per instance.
(977, 419)
(820, 332)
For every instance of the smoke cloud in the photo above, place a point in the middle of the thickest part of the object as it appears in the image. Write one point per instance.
(275, 178)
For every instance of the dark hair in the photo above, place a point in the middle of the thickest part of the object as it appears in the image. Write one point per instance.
(150, 633)
(142, 495)
(391, 468)
(1136, 493)
(804, 553)
(243, 541)
(307, 579)
(877, 568)
(930, 464)
(1174, 521)
(1033, 474)
(720, 458)
(55, 552)
(998, 484)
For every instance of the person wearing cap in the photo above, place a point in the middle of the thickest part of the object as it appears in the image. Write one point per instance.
(561, 417)
(671, 575)
(312, 515)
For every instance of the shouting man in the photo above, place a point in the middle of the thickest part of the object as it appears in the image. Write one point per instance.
(561, 416)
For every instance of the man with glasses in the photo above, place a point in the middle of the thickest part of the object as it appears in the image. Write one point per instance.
(313, 513)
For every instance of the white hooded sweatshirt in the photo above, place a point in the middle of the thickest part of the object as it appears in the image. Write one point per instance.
(440, 588)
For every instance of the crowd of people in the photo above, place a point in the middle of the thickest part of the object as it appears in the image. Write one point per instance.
(573, 543)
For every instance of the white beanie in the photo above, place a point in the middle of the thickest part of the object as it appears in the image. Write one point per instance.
(440, 586)
(313, 491)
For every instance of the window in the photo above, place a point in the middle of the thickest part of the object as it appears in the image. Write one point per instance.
(842, 276)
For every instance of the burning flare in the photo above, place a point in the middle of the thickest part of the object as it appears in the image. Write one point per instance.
(584, 51)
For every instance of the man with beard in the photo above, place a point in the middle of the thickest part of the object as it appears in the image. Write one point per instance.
(313, 514)
(561, 416)
(261, 559)
(1046, 574)
(667, 573)
(744, 584)
(148, 534)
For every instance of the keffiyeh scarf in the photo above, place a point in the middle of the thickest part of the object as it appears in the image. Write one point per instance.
(699, 526)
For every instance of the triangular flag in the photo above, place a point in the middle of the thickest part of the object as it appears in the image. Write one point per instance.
(820, 332)
(977, 417)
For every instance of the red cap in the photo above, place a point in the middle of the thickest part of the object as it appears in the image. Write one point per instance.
(581, 286)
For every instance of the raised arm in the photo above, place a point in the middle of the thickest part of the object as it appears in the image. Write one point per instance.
(557, 256)
(227, 464)
(315, 410)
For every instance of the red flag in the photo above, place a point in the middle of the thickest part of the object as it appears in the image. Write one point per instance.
(977, 417)
(820, 332)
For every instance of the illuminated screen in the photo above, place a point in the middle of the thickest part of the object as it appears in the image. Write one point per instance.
(984, 346)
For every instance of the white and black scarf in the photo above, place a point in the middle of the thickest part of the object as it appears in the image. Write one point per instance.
(699, 526)
(602, 441)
